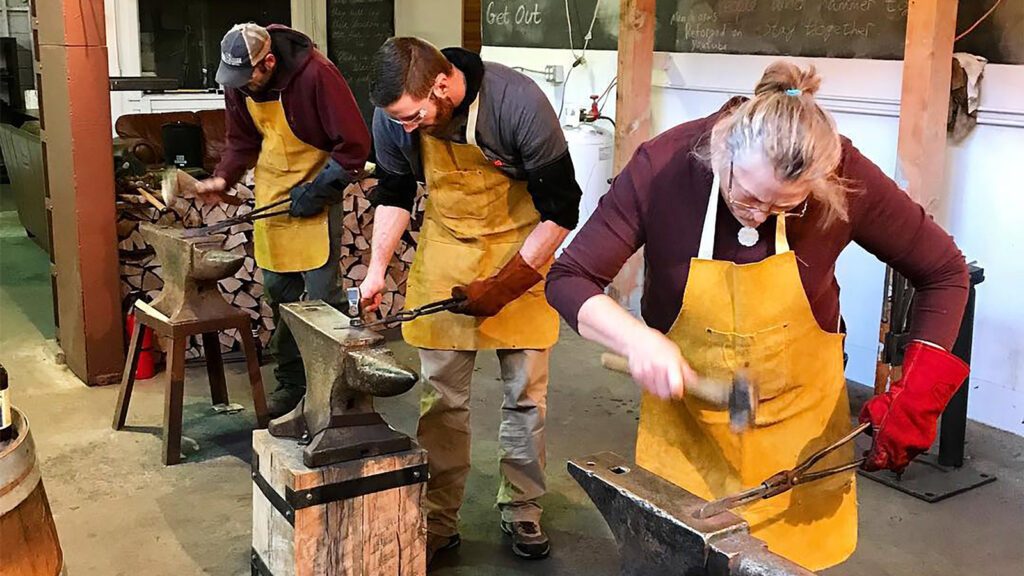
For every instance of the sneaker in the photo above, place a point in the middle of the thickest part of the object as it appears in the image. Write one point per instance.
(528, 539)
(284, 399)
(436, 543)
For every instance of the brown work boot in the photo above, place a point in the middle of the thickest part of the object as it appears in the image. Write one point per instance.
(437, 543)
(528, 539)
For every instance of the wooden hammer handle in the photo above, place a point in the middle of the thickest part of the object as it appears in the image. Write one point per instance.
(711, 391)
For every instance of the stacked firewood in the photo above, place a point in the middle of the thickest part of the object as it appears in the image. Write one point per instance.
(140, 271)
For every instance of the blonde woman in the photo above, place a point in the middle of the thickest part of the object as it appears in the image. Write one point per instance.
(742, 216)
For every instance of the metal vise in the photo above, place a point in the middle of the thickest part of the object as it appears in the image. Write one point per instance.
(191, 269)
(345, 368)
(658, 533)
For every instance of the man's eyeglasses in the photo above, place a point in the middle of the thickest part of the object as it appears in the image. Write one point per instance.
(410, 121)
(792, 211)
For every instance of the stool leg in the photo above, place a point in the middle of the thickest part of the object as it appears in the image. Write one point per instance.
(124, 395)
(215, 368)
(259, 399)
(173, 398)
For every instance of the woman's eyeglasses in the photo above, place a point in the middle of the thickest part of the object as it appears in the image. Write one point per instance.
(793, 211)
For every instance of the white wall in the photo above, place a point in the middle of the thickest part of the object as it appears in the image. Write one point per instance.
(437, 21)
(983, 185)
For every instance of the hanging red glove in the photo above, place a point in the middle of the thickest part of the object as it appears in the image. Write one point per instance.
(904, 418)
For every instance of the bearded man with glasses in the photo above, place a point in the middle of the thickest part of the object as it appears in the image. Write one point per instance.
(502, 197)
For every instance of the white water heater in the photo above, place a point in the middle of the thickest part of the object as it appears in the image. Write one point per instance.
(592, 149)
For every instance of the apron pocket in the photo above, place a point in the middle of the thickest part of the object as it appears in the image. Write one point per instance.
(763, 356)
(440, 266)
(273, 152)
(466, 204)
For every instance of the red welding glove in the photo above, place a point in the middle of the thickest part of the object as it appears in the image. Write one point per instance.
(487, 297)
(904, 418)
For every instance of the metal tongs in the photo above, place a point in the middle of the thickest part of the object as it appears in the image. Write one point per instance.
(403, 316)
(787, 479)
(256, 214)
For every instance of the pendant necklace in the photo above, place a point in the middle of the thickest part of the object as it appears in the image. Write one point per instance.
(748, 236)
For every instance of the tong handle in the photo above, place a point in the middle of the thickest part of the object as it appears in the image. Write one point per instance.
(426, 309)
(784, 481)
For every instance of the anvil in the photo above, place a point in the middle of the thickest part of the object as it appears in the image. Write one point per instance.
(346, 367)
(191, 269)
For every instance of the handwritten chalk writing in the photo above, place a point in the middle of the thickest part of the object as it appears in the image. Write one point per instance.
(526, 16)
(780, 5)
(849, 5)
(502, 18)
(708, 38)
(827, 31)
(732, 6)
(779, 31)
(699, 18)
(900, 7)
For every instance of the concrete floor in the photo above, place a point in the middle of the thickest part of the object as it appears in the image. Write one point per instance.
(120, 512)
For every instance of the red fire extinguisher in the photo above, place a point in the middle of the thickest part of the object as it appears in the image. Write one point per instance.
(145, 368)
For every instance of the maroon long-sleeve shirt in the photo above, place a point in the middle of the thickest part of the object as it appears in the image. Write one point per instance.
(317, 102)
(659, 200)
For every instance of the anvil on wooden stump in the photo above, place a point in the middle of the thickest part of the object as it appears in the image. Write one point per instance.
(345, 367)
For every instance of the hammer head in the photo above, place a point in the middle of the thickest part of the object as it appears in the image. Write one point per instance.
(169, 186)
(743, 401)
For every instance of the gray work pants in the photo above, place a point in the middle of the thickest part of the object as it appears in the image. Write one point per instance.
(444, 430)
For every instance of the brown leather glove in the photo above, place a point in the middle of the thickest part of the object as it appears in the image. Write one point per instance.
(487, 297)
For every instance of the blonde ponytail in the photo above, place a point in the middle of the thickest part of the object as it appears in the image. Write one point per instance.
(785, 124)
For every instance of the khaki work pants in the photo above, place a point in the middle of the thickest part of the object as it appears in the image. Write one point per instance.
(444, 430)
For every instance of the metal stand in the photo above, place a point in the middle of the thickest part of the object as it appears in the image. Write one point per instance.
(936, 477)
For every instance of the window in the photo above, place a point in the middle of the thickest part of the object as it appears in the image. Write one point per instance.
(181, 39)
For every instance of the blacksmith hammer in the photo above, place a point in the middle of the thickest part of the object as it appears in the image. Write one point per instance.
(740, 396)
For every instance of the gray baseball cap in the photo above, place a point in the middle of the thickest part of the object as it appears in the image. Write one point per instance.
(242, 48)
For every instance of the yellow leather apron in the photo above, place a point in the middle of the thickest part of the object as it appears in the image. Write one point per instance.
(282, 243)
(476, 219)
(757, 317)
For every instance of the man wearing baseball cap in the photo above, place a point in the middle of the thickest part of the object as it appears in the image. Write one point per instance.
(291, 114)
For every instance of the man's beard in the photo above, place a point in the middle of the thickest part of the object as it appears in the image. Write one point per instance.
(442, 118)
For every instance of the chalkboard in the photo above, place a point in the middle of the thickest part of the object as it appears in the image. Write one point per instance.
(815, 28)
(355, 30)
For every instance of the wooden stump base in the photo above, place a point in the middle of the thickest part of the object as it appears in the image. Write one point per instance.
(358, 518)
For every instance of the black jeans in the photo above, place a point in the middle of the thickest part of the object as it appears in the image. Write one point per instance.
(319, 284)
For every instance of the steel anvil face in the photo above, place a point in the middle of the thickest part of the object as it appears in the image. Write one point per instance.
(345, 368)
(658, 532)
(191, 269)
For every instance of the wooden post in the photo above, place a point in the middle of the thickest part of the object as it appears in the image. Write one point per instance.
(924, 104)
(78, 155)
(632, 116)
(471, 33)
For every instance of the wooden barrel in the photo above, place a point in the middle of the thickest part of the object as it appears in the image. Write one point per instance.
(28, 537)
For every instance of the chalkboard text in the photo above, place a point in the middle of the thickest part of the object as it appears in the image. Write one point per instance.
(849, 5)
(780, 5)
(524, 15)
(828, 31)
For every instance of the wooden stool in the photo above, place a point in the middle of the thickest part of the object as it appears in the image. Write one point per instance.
(178, 333)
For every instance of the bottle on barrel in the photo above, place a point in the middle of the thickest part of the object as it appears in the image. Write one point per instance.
(6, 421)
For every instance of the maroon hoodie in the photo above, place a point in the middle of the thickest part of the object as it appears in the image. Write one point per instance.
(320, 108)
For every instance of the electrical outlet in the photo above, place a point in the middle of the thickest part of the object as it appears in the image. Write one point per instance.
(554, 74)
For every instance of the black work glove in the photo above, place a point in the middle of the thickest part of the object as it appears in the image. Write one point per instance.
(311, 198)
